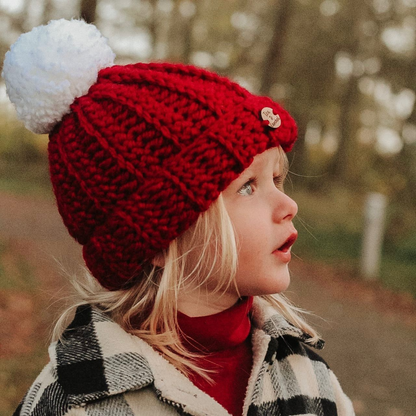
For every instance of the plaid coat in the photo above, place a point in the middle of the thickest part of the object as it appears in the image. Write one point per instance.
(101, 370)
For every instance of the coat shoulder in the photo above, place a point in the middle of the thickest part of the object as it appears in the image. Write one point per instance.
(46, 397)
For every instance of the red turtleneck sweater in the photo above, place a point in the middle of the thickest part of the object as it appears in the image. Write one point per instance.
(225, 337)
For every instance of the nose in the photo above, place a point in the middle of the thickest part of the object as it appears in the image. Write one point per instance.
(285, 208)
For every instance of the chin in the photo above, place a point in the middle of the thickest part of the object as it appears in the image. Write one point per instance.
(278, 282)
(284, 287)
(269, 288)
(281, 285)
(266, 281)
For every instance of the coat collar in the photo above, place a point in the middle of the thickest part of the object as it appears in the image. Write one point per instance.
(266, 318)
(96, 358)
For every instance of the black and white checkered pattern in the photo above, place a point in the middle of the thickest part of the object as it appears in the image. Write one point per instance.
(99, 369)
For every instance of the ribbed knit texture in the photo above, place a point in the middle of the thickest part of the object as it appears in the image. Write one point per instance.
(148, 149)
(225, 338)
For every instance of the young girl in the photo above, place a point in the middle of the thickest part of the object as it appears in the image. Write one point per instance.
(171, 178)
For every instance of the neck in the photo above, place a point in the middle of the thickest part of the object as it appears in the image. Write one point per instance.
(197, 303)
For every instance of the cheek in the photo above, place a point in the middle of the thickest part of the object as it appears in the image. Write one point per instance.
(252, 243)
(252, 230)
(249, 253)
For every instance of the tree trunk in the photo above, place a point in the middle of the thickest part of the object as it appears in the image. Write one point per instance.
(187, 40)
(274, 54)
(153, 25)
(298, 157)
(88, 10)
(342, 161)
(342, 164)
(47, 11)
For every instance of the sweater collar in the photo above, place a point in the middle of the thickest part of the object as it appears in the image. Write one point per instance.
(217, 332)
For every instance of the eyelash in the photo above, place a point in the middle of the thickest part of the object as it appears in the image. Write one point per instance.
(278, 181)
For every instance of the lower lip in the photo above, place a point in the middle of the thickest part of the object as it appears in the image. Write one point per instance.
(284, 256)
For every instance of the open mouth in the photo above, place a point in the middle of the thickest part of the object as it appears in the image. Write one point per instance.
(288, 243)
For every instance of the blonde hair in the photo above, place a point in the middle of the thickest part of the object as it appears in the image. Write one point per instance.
(205, 255)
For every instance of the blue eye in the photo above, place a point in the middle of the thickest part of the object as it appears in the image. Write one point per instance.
(246, 189)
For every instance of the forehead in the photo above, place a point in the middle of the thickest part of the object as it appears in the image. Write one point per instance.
(272, 158)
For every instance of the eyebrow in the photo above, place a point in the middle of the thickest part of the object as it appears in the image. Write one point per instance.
(246, 174)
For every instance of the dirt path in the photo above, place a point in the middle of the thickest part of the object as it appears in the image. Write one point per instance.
(370, 346)
(370, 332)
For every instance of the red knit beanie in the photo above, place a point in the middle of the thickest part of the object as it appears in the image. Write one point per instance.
(145, 150)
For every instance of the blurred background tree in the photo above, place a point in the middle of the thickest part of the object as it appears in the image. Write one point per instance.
(344, 69)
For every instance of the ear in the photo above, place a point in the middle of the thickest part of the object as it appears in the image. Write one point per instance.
(158, 260)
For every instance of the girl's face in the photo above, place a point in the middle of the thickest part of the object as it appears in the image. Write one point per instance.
(262, 216)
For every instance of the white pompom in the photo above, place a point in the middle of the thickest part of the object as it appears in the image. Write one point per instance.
(47, 68)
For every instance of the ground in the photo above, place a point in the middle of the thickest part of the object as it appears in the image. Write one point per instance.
(370, 332)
